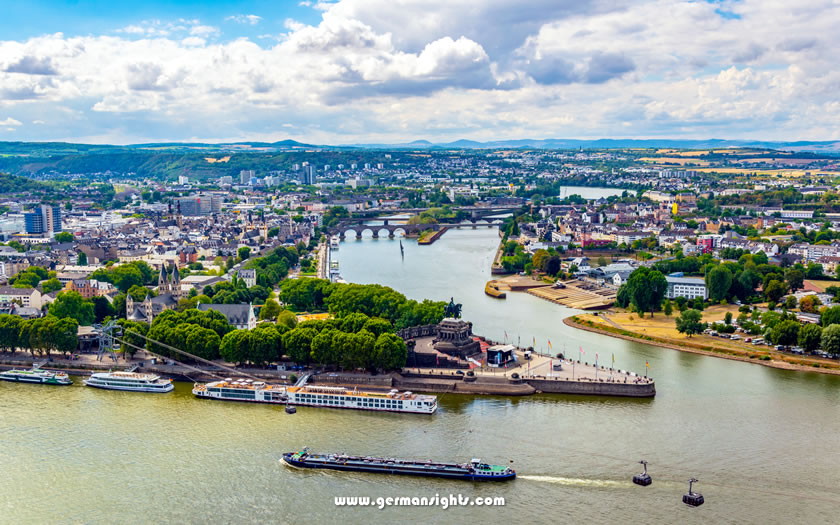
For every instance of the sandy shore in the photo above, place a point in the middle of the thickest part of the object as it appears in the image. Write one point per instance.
(784, 365)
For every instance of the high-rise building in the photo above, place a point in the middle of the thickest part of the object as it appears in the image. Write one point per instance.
(43, 219)
(309, 174)
(196, 205)
(245, 176)
(354, 166)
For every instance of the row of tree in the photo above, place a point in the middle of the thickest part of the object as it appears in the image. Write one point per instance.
(43, 335)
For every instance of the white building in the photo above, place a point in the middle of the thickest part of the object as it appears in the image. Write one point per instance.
(688, 287)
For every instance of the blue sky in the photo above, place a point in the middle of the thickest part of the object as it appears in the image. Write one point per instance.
(349, 71)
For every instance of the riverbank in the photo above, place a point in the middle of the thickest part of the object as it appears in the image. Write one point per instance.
(777, 360)
(428, 237)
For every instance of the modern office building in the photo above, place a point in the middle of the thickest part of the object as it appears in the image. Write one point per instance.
(245, 176)
(43, 219)
(688, 287)
(309, 174)
(197, 205)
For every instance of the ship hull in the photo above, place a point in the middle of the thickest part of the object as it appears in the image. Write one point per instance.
(36, 380)
(408, 470)
(164, 390)
(291, 401)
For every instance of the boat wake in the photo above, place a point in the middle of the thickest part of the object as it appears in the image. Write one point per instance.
(577, 482)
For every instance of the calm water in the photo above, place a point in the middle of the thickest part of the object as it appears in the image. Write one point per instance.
(763, 442)
(590, 193)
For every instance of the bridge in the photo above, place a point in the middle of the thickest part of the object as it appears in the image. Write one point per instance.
(359, 227)
(475, 212)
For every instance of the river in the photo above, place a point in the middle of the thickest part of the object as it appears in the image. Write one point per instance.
(763, 442)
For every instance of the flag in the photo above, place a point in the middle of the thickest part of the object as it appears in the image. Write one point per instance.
(535, 341)
(647, 365)
(549, 344)
(613, 356)
(581, 351)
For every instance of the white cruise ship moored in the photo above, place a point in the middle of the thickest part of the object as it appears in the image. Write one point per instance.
(318, 396)
(129, 381)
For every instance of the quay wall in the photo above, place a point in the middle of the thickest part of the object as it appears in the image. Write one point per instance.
(593, 388)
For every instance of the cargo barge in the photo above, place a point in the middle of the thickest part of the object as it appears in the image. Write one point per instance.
(475, 470)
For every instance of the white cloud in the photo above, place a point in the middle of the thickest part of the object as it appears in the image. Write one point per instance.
(10, 122)
(480, 69)
(245, 19)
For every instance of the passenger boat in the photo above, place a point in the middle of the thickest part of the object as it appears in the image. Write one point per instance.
(36, 375)
(475, 470)
(130, 381)
(334, 240)
(317, 396)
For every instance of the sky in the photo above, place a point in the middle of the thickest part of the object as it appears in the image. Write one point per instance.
(392, 71)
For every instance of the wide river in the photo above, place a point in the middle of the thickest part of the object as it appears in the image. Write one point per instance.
(763, 442)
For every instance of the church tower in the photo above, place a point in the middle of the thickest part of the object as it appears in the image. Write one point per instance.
(175, 286)
(163, 280)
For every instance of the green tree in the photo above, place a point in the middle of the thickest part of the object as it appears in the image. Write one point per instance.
(830, 316)
(646, 288)
(831, 339)
(718, 281)
(390, 352)
(235, 346)
(775, 290)
(102, 308)
(270, 310)
(287, 318)
(795, 278)
(132, 336)
(243, 253)
(82, 259)
(63, 237)
(51, 285)
(785, 333)
(689, 322)
(667, 308)
(10, 332)
(265, 344)
(727, 319)
(72, 304)
(810, 337)
(790, 302)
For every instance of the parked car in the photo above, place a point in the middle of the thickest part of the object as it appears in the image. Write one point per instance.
(779, 347)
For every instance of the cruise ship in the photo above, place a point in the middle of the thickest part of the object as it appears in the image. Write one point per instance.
(36, 375)
(317, 396)
(129, 381)
(334, 240)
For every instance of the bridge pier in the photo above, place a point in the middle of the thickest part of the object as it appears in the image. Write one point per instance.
(385, 221)
(375, 234)
(341, 236)
(390, 234)
(358, 235)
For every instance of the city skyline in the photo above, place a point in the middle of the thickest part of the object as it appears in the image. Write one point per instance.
(374, 72)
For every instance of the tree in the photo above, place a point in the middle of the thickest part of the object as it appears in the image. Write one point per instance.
(265, 344)
(667, 308)
(790, 302)
(810, 336)
(287, 318)
(269, 310)
(775, 290)
(785, 333)
(795, 278)
(830, 340)
(234, 347)
(102, 308)
(10, 332)
(390, 352)
(830, 316)
(72, 304)
(689, 322)
(243, 253)
(63, 237)
(51, 285)
(132, 336)
(718, 281)
(646, 289)
(82, 260)
(727, 318)
(810, 303)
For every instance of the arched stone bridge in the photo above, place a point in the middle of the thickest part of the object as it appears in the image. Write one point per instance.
(359, 227)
